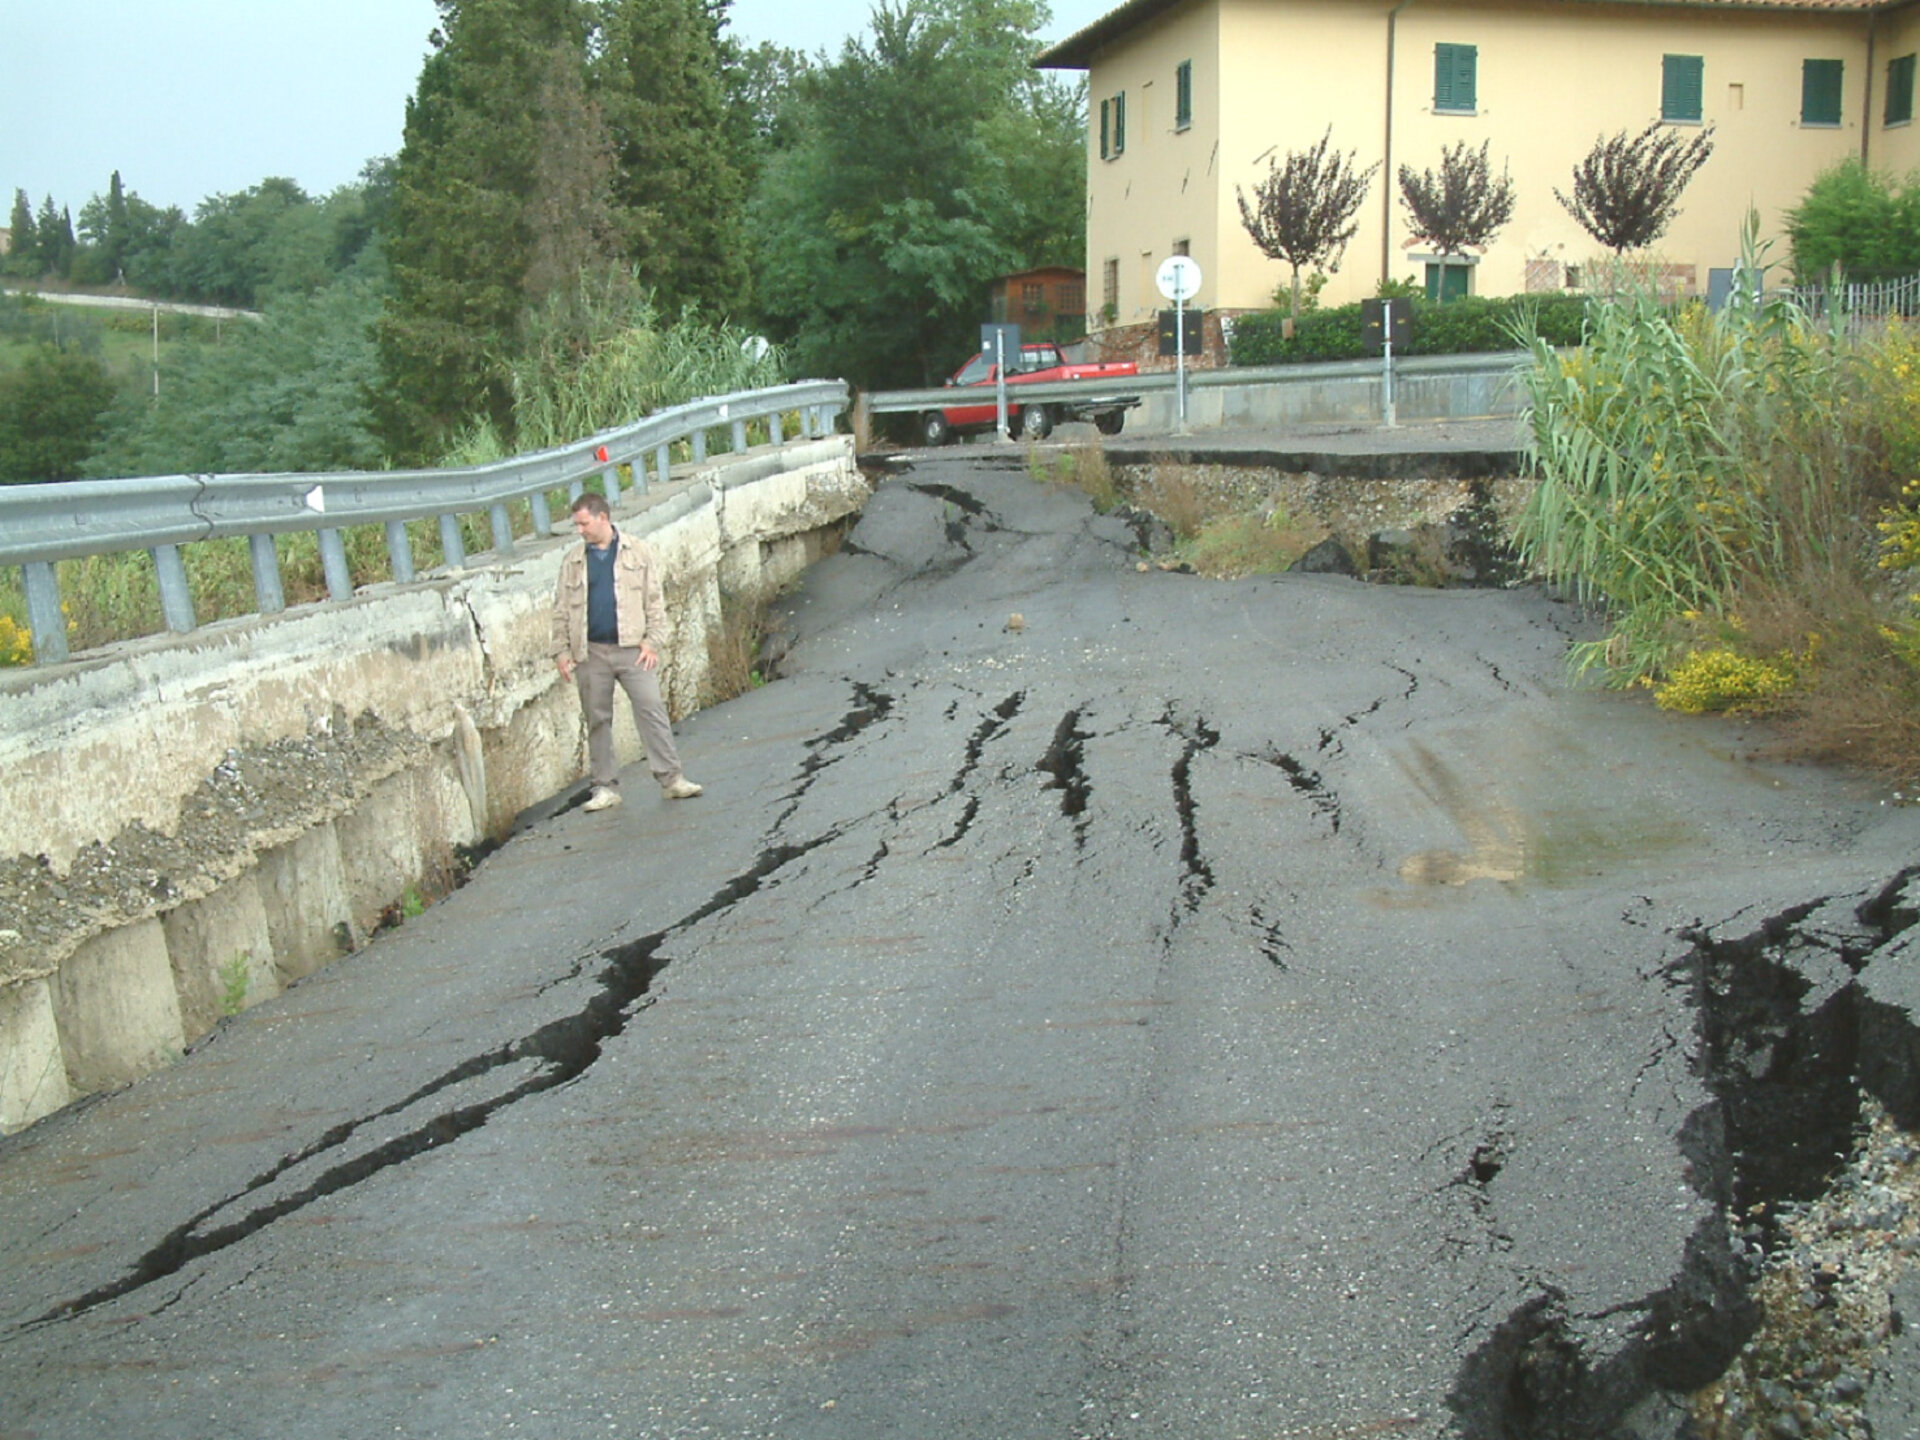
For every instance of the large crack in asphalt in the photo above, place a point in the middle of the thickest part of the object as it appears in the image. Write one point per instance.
(483, 1086)
(1787, 1042)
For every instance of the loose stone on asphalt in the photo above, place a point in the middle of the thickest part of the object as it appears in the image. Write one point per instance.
(1268, 1008)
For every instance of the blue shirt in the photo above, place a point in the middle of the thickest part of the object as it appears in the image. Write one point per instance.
(603, 615)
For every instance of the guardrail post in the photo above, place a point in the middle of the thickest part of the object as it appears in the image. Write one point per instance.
(575, 489)
(739, 437)
(542, 517)
(44, 620)
(268, 593)
(773, 429)
(453, 552)
(400, 551)
(699, 446)
(663, 463)
(610, 484)
(176, 601)
(502, 528)
(333, 560)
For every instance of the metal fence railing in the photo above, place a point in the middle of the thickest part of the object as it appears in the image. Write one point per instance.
(1861, 303)
(41, 525)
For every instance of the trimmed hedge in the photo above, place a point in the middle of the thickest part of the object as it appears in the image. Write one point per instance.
(1468, 326)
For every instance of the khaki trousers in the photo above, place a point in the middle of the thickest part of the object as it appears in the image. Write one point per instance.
(605, 667)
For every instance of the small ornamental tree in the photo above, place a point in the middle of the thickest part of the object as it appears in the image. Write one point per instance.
(1463, 205)
(1303, 211)
(1627, 189)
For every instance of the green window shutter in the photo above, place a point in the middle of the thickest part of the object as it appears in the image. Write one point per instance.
(1105, 149)
(1183, 95)
(1682, 83)
(1455, 78)
(1820, 91)
(1899, 90)
(1120, 123)
(1447, 282)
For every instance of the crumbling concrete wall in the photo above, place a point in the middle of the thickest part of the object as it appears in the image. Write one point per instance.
(189, 823)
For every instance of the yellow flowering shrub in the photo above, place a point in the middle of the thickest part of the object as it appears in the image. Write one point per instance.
(1722, 679)
(16, 643)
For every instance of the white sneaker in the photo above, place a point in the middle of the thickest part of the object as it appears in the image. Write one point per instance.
(681, 789)
(604, 797)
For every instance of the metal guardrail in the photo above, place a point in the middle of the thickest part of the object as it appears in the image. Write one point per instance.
(41, 525)
(883, 402)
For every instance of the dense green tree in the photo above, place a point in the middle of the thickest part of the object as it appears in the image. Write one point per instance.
(52, 409)
(246, 248)
(287, 392)
(103, 236)
(23, 252)
(927, 161)
(53, 239)
(459, 238)
(1863, 223)
(679, 193)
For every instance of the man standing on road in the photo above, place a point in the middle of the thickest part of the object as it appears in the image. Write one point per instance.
(609, 619)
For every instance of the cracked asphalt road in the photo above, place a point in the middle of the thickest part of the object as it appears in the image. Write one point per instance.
(1192, 1010)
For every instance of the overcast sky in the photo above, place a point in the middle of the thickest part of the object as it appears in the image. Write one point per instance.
(191, 98)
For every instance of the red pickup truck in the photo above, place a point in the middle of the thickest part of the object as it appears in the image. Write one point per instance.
(1039, 362)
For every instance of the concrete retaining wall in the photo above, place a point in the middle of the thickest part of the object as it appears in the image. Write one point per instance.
(189, 823)
(1342, 393)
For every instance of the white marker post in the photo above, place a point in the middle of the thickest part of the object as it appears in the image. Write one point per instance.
(1386, 377)
(1178, 279)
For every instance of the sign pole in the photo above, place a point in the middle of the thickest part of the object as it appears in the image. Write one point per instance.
(1179, 278)
(1000, 383)
(1386, 377)
(1180, 358)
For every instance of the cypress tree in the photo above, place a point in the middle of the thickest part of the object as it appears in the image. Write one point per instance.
(680, 192)
(460, 242)
(23, 244)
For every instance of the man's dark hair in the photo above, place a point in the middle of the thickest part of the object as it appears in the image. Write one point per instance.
(591, 502)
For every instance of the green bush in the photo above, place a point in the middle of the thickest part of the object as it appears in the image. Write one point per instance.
(1473, 325)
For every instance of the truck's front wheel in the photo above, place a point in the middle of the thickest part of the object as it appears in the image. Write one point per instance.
(1036, 422)
(934, 429)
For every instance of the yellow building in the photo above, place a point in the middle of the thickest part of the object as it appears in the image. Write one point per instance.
(1191, 100)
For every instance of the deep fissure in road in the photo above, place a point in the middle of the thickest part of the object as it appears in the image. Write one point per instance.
(1787, 1043)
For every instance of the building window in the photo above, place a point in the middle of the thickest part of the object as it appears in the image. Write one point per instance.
(1073, 298)
(1113, 126)
(1899, 109)
(1455, 78)
(1183, 95)
(1031, 299)
(1183, 247)
(1110, 287)
(1682, 83)
(1820, 92)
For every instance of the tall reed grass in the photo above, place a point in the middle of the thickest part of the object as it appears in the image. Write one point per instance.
(1729, 487)
(1685, 458)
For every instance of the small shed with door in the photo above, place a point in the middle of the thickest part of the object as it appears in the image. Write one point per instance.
(1047, 304)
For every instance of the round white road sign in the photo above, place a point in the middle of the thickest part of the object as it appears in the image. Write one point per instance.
(1178, 277)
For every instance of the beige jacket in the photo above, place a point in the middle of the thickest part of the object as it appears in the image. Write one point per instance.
(637, 595)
